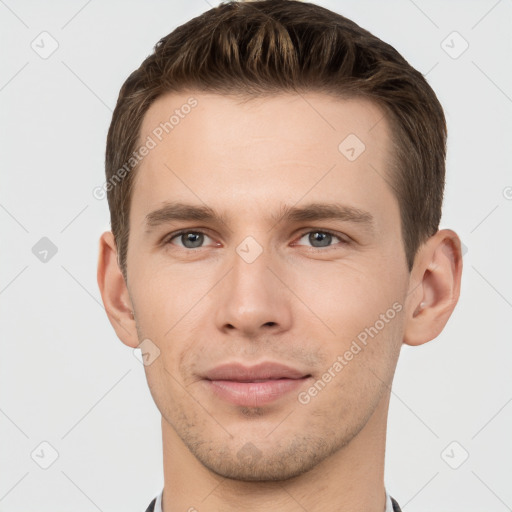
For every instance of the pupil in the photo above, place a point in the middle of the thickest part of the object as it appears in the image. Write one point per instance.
(323, 237)
(195, 239)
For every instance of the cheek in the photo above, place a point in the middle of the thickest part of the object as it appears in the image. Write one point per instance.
(359, 368)
(349, 298)
(362, 326)
(167, 297)
(167, 391)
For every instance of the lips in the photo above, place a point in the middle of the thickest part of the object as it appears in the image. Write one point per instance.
(253, 385)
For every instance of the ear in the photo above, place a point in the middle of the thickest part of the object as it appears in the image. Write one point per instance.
(114, 292)
(434, 287)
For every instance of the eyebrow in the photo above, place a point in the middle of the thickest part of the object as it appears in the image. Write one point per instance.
(177, 211)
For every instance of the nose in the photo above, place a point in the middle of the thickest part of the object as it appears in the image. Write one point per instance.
(252, 299)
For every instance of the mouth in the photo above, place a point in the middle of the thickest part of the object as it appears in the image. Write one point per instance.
(253, 386)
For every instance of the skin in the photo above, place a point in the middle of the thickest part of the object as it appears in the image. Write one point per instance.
(300, 302)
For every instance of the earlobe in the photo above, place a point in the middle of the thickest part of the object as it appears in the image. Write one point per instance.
(435, 287)
(114, 292)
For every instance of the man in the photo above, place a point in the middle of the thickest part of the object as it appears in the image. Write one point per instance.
(275, 178)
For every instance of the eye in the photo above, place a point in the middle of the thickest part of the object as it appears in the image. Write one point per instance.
(195, 239)
(322, 238)
(188, 239)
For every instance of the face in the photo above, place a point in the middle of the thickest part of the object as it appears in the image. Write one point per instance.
(266, 264)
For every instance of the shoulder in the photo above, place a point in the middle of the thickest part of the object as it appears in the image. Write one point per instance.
(396, 506)
(151, 507)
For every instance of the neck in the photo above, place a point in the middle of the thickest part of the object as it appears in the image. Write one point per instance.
(352, 479)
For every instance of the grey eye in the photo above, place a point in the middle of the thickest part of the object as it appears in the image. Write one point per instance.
(190, 239)
(319, 239)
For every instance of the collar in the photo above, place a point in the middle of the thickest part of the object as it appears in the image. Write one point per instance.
(158, 503)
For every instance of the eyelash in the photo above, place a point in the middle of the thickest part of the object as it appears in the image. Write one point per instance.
(343, 241)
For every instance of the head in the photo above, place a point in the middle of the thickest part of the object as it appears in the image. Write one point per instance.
(259, 119)
(263, 48)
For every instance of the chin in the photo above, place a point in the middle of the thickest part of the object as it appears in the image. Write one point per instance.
(274, 463)
(259, 472)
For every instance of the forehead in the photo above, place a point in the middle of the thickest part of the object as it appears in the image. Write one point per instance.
(223, 150)
(242, 118)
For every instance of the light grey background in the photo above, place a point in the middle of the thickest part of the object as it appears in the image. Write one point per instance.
(65, 377)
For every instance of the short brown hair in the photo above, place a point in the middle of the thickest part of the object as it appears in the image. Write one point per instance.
(265, 47)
